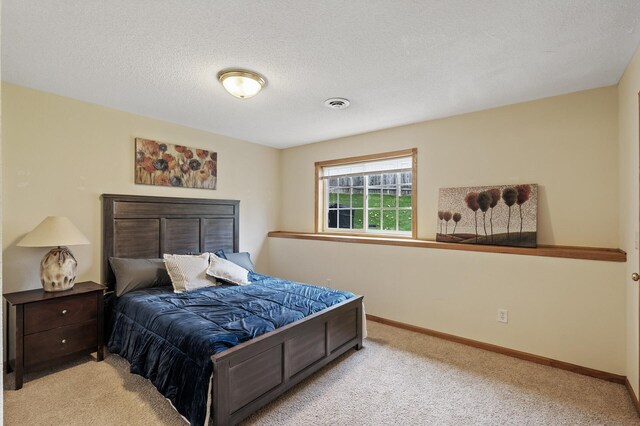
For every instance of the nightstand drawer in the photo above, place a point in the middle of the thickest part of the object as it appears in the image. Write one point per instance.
(60, 312)
(42, 347)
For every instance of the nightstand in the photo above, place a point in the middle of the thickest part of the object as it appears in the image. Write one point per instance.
(52, 327)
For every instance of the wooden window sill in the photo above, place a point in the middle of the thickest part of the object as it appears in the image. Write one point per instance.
(569, 252)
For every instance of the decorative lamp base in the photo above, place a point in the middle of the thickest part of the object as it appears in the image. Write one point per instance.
(58, 270)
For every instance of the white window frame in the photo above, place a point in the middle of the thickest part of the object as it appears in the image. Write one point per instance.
(322, 195)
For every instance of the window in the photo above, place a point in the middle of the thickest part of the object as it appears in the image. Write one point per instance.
(372, 194)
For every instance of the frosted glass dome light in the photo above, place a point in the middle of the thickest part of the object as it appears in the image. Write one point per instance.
(241, 84)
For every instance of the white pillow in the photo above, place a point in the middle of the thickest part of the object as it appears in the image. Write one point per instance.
(188, 272)
(227, 271)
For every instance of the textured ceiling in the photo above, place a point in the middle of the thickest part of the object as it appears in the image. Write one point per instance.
(397, 61)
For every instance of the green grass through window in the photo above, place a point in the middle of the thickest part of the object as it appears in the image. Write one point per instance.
(355, 204)
(357, 200)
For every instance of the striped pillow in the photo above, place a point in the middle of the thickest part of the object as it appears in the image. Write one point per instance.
(227, 271)
(188, 272)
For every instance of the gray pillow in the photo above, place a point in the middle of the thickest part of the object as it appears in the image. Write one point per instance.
(241, 259)
(136, 274)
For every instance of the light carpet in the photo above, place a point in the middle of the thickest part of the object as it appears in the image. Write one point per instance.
(400, 377)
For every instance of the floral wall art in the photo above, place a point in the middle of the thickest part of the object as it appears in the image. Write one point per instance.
(165, 164)
(504, 215)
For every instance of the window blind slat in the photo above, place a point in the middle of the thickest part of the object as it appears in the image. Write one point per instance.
(366, 173)
(380, 166)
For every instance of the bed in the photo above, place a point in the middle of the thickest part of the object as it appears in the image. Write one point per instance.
(247, 372)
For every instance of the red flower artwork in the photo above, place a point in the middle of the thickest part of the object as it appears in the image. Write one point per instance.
(165, 164)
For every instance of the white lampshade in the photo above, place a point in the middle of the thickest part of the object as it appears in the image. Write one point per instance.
(54, 231)
(241, 83)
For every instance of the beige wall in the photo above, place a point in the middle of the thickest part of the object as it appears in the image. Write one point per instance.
(566, 144)
(61, 154)
(2, 336)
(628, 89)
(570, 310)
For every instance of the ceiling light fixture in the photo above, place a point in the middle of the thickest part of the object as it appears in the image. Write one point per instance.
(242, 84)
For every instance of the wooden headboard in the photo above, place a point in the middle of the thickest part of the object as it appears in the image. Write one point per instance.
(147, 227)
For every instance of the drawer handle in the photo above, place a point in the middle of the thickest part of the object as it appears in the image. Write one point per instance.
(64, 312)
(64, 340)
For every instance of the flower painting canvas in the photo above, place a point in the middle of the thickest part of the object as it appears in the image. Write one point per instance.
(165, 164)
(504, 215)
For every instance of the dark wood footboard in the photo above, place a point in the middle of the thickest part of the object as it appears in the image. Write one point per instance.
(249, 376)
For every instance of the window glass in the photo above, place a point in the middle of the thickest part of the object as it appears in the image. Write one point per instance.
(375, 196)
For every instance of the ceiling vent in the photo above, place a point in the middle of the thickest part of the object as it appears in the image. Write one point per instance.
(337, 103)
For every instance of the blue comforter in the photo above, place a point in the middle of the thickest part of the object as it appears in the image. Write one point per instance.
(169, 338)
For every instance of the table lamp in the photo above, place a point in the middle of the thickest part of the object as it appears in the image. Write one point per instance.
(58, 268)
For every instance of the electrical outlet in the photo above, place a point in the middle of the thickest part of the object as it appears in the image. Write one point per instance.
(329, 280)
(503, 315)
